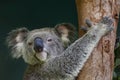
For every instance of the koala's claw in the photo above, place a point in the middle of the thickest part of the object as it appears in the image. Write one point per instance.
(88, 22)
(107, 20)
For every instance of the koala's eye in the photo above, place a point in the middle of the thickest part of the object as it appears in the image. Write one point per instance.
(29, 43)
(49, 40)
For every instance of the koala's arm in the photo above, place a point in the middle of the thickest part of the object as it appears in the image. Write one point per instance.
(74, 57)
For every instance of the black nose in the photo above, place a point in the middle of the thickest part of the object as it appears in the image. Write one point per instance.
(38, 44)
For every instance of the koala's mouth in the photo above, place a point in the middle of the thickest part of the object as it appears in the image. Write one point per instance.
(41, 56)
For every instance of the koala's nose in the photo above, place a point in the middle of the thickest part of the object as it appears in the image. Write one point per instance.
(38, 44)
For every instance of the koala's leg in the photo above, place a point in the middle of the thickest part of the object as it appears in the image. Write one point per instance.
(74, 57)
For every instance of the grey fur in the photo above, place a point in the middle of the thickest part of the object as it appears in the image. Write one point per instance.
(61, 63)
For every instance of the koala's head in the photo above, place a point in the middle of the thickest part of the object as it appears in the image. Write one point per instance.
(40, 45)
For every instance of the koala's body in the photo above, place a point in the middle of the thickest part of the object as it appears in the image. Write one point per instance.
(47, 52)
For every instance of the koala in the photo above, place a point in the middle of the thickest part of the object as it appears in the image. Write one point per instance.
(51, 53)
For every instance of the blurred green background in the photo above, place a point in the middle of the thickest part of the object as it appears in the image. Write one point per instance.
(31, 14)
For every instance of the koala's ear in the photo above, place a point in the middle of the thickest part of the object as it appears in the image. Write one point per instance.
(67, 32)
(15, 41)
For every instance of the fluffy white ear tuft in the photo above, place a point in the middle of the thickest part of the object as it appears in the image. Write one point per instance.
(18, 50)
(67, 32)
(15, 41)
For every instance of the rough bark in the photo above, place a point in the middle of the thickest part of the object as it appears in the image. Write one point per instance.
(100, 64)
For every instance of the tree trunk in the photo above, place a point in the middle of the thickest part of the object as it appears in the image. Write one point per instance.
(101, 63)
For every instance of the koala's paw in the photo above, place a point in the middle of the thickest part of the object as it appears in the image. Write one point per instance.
(107, 20)
(89, 25)
(88, 22)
